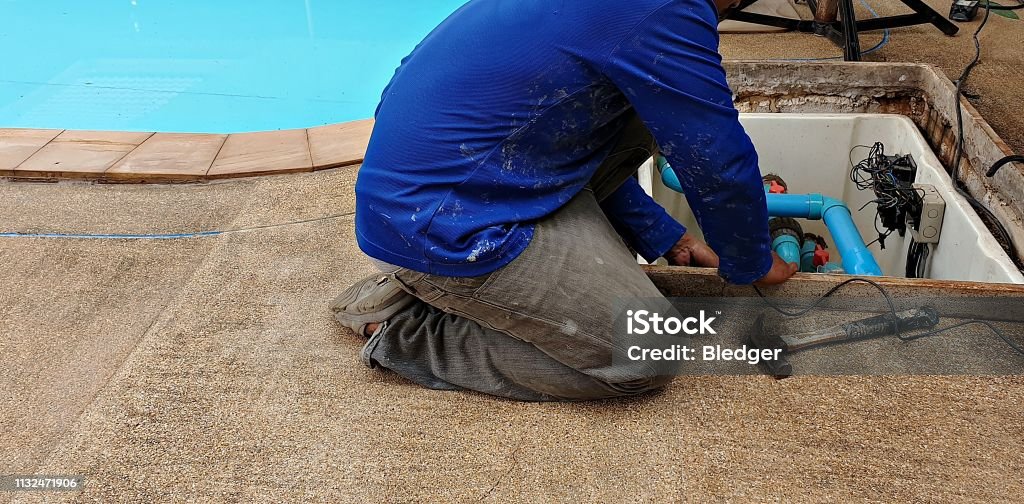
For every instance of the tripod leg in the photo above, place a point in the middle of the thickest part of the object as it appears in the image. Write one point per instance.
(825, 13)
(851, 45)
(929, 15)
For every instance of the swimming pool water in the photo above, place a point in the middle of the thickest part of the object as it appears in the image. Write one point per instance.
(202, 66)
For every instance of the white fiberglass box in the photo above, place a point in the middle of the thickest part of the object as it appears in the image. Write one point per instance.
(812, 153)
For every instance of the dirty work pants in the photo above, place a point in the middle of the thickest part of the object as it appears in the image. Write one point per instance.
(540, 328)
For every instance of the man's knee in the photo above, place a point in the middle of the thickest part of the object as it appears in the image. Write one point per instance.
(642, 385)
(603, 390)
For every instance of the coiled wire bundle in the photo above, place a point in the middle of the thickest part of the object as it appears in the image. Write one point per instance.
(891, 179)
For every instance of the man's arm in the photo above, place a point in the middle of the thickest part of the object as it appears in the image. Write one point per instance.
(670, 70)
(642, 222)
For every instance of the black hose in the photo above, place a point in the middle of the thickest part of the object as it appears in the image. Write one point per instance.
(1016, 158)
(958, 184)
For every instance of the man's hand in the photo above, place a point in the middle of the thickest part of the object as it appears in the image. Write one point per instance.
(780, 272)
(689, 251)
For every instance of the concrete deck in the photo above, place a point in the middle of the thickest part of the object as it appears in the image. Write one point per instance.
(210, 369)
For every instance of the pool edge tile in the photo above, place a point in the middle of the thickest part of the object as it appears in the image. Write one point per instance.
(262, 153)
(80, 154)
(341, 144)
(120, 156)
(19, 144)
(169, 157)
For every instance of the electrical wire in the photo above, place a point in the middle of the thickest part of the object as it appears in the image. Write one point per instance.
(892, 309)
(1016, 348)
(876, 173)
(1016, 158)
(1004, 235)
(895, 196)
(917, 259)
(168, 236)
(833, 290)
(960, 90)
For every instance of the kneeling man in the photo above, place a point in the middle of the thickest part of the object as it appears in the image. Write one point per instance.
(498, 197)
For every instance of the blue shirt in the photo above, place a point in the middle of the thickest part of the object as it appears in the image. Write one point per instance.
(504, 112)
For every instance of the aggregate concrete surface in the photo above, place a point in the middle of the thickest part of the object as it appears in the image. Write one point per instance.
(995, 87)
(210, 369)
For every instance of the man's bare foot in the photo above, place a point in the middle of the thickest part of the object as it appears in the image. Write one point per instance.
(370, 329)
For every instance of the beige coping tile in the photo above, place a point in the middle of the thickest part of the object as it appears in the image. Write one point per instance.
(17, 145)
(81, 153)
(339, 144)
(170, 156)
(263, 153)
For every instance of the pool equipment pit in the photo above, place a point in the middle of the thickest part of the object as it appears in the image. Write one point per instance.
(824, 222)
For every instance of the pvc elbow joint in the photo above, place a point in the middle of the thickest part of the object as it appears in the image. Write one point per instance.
(857, 259)
(788, 248)
(668, 175)
(828, 203)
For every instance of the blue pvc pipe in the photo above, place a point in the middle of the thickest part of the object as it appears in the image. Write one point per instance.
(807, 256)
(857, 259)
(788, 248)
(668, 175)
(803, 206)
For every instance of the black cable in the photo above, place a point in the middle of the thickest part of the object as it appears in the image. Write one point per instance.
(917, 259)
(985, 323)
(1004, 235)
(892, 309)
(1016, 158)
(833, 290)
(891, 178)
(922, 260)
(913, 260)
(960, 91)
